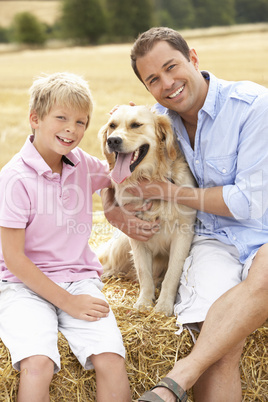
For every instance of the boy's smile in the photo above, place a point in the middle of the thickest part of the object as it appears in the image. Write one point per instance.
(60, 131)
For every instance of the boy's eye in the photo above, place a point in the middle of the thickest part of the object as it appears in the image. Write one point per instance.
(61, 117)
(82, 123)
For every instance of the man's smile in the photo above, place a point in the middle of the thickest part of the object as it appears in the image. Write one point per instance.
(176, 93)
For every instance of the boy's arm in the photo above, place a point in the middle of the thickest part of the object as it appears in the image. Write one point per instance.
(83, 307)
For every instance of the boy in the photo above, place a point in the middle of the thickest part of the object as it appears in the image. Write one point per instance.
(50, 278)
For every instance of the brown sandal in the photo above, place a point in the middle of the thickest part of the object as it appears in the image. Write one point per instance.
(168, 383)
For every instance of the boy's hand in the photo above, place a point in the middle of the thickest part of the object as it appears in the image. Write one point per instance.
(88, 308)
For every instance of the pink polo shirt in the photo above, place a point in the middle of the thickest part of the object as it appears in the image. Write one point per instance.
(55, 210)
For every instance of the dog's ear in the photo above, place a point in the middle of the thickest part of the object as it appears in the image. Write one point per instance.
(102, 135)
(165, 133)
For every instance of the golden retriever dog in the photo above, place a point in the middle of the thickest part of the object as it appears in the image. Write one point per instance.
(139, 144)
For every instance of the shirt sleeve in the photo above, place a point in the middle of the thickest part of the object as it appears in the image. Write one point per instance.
(14, 201)
(247, 198)
(99, 174)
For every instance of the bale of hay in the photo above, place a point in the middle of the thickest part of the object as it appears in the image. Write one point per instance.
(152, 348)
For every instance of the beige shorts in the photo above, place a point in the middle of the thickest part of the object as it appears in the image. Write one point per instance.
(211, 269)
(29, 325)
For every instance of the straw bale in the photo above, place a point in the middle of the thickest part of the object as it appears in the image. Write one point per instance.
(152, 348)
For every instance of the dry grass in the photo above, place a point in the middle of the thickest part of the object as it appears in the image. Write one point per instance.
(151, 345)
(107, 68)
(46, 11)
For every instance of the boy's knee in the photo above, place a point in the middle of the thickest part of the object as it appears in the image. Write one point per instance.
(107, 361)
(37, 366)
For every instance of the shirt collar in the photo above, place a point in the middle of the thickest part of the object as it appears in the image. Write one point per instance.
(210, 103)
(32, 158)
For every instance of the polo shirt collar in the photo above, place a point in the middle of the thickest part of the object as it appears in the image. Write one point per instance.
(32, 158)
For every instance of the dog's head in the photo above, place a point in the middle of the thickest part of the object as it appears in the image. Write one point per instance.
(135, 139)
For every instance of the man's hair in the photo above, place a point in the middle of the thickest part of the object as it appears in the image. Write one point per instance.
(63, 89)
(146, 41)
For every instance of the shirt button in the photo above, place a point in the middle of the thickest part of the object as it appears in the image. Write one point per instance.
(224, 170)
(197, 161)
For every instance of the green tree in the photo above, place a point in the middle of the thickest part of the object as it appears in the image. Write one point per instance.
(4, 35)
(177, 14)
(26, 28)
(128, 18)
(214, 12)
(251, 11)
(83, 20)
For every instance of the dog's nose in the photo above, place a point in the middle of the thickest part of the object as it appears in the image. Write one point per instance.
(114, 143)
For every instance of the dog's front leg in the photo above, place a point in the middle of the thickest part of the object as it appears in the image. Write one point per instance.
(143, 263)
(179, 250)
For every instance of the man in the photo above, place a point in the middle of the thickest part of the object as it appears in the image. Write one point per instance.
(222, 129)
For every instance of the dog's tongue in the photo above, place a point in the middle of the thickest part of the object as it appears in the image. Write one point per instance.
(121, 169)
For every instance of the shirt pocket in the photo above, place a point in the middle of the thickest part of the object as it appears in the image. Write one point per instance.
(221, 170)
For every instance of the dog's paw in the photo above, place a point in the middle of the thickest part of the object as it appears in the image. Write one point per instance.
(164, 307)
(143, 304)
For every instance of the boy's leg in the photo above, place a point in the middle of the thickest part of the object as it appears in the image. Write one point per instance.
(111, 378)
(99, 342)
(29, 329)
(35, 377)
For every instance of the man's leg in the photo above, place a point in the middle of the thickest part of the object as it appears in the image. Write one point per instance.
(222, 375)
(234, 316)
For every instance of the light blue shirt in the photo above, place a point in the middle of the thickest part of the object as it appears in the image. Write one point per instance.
(231, 150)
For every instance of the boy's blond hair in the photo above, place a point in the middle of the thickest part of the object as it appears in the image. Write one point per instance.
(63, 89)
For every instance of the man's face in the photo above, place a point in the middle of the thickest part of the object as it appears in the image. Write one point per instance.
(174, 81)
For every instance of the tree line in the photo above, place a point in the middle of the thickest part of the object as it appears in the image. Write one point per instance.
(117, 21)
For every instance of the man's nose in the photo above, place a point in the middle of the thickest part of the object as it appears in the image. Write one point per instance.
(167, 81)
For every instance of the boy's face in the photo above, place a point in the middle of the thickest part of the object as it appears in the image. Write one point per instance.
(60, 131)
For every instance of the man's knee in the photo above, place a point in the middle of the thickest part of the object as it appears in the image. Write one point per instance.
(259, 269)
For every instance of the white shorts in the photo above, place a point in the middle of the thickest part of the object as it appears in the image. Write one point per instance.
(211, 269)
(29, 325)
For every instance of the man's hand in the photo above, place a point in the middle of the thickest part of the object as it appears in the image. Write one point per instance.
(153, 190)
(126, 220)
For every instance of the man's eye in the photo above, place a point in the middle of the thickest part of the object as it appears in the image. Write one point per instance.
(171, 67)
(153, 80)
(135, 125)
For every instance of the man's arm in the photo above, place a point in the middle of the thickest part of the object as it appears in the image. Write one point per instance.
(125, 219)
(83, 307)
(208, 200)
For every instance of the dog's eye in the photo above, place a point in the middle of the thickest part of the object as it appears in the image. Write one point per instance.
(135, 125)
(112, 126)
